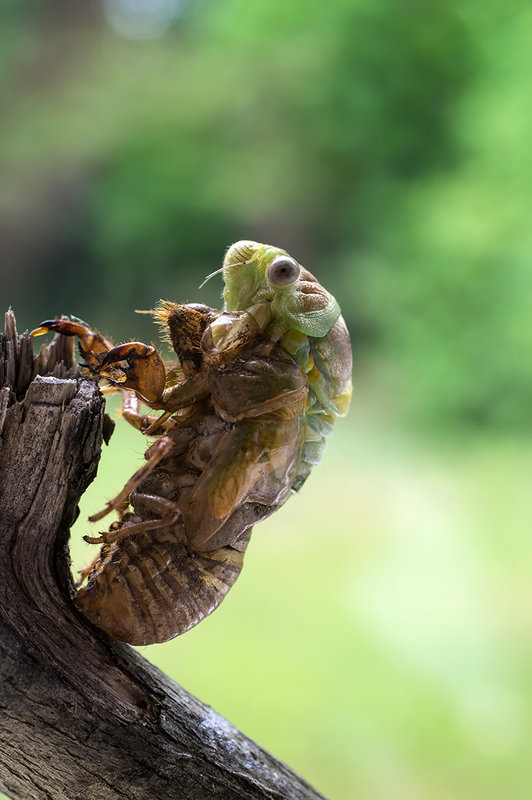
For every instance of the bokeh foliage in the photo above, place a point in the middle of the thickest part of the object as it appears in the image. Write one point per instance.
(385, 144)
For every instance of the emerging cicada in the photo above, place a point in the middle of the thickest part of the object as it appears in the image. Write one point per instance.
(246, 409)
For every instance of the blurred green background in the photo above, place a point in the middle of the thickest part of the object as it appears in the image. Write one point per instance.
(379, 638)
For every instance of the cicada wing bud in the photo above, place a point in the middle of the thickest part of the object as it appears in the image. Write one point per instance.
(254, 463)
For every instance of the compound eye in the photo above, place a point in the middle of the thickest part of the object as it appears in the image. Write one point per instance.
(282, 271)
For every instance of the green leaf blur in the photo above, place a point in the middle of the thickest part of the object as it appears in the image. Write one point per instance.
(384, 144)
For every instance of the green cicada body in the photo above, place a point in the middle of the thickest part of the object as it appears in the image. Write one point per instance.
(292, 307)
(255, 391)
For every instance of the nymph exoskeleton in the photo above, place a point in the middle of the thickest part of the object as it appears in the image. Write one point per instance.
(246, 409)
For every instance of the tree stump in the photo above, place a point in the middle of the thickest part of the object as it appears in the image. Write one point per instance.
(84, 717)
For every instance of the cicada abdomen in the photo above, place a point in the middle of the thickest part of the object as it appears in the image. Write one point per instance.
(151, 587)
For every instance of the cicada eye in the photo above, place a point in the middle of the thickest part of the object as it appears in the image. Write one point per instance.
(282, 271)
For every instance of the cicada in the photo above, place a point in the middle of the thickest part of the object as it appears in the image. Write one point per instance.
(246, 407)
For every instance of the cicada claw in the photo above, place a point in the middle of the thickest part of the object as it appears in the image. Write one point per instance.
(145, 373)
(130, 352)
(67, 327)
(92, 344)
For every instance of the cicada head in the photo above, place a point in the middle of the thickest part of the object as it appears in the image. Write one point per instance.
(278, 292)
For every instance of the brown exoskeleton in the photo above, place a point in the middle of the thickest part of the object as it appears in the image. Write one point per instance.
(245, 411)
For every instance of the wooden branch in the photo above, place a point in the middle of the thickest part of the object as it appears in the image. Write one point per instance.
(83, 717)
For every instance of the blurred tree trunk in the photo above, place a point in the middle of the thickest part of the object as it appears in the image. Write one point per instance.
(84, 717)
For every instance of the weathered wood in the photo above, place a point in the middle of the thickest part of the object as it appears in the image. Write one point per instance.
(83, 717)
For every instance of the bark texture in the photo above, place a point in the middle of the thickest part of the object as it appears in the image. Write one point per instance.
(83, 717)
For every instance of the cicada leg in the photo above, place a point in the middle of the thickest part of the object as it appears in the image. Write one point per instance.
(92, 344)
(160, 505)
(145, 373)
(110, 389)
(86, 571)
(146, 423)
(157, 452)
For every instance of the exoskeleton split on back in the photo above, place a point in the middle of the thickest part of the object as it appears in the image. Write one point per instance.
(246, 408)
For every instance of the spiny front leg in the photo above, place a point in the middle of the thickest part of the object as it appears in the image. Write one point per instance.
(145, 372)
(92, 344)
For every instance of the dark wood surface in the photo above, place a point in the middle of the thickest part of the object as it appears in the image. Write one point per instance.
(83, 717)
